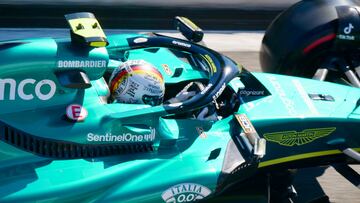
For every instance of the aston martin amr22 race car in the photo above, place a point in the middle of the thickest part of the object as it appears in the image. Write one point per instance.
(63, 139)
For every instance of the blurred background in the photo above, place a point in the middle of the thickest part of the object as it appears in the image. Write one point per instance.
(145, 14)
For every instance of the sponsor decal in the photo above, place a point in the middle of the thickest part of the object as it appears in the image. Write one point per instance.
(245, 123)
(167, 69)
(132, 88)
(206, 88)
(125, 137)
(249, 106)
(43, 90)
(347, 33)
(76, 112)
(211, 63)
(218, 93)
(251, 93)
(182, 44)
(81, 64)
(140, 40)
(348, 29)
(291, 138)
(201, 132)
(288, 103)
(185, 192)
(346, 37)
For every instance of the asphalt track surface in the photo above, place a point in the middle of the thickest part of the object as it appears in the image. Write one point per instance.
(243, 47)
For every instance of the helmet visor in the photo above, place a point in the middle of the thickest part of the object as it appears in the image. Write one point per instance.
(152, 100)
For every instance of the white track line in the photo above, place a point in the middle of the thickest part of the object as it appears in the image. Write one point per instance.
(305, 97)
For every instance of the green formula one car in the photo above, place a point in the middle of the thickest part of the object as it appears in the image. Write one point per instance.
(62, 139)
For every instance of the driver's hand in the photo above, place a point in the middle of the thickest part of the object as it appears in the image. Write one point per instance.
(205, 115)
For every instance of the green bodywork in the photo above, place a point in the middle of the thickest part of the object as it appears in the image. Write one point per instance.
(184, 151)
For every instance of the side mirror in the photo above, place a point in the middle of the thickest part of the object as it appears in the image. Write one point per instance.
(73, 79)
(188, 29)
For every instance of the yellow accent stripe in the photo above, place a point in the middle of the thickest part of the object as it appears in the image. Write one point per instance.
(98, 44)
(189, 22)
(210, 62)
(301, 156)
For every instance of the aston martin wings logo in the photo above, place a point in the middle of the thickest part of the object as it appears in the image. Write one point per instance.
(291, 138)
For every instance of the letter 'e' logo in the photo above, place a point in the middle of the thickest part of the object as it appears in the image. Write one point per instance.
(76, 112)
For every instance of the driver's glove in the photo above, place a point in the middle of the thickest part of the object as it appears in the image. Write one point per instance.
(205, 114)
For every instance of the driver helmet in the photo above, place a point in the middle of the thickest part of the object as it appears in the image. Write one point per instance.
(137, 82)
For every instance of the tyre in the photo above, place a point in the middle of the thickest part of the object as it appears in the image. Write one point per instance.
(305, 38)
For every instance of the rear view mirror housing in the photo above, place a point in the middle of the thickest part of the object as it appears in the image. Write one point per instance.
(189, 29)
